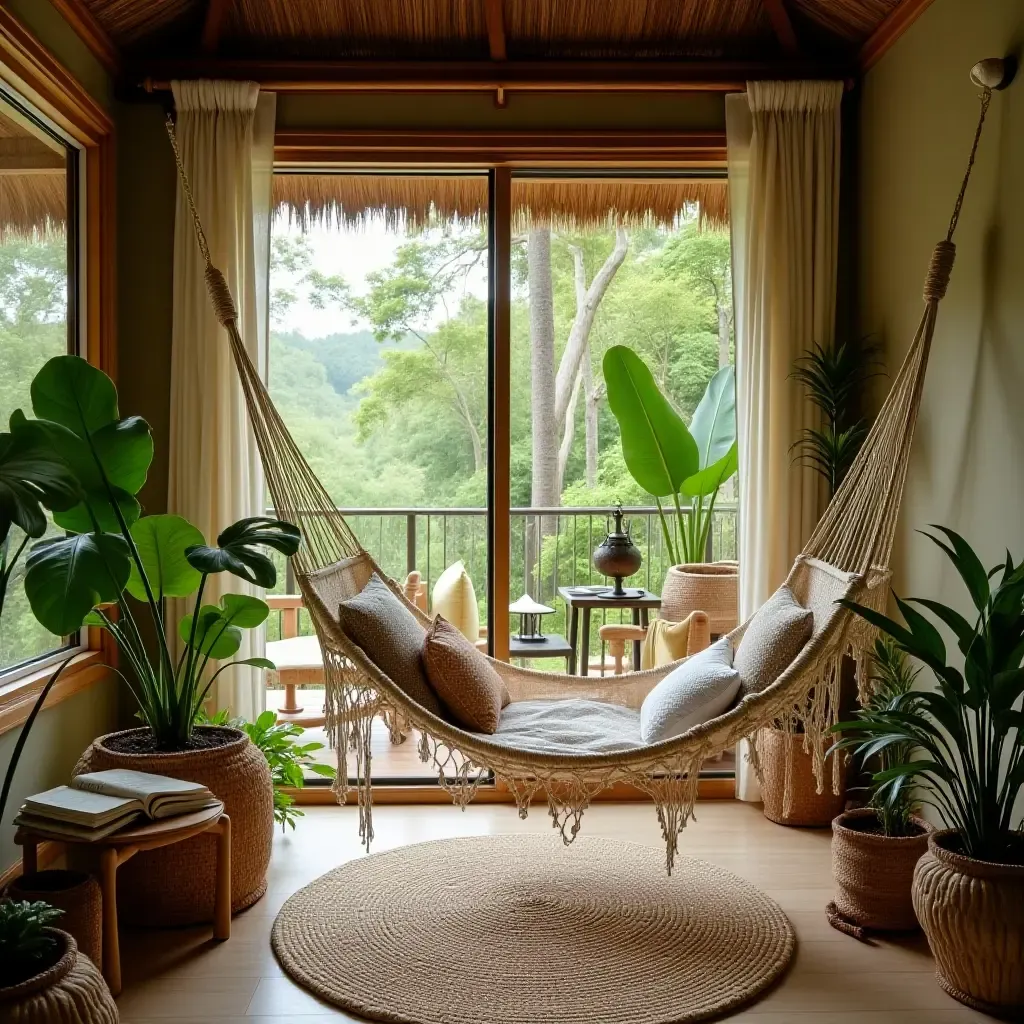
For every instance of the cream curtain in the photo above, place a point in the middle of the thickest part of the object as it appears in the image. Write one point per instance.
(783, 150)
(226, 134)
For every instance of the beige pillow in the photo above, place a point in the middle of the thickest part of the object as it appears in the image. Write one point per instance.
(391, 637)
(455, 599)
(469, 687)
(775, 636)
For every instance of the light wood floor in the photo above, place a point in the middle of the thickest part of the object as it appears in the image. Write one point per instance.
(182, 977)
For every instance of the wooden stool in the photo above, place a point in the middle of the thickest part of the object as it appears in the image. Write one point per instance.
(115, 849)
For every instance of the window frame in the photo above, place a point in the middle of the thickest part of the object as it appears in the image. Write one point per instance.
(35, 79)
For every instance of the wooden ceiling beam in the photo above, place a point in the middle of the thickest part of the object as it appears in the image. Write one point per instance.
(898, 20)
(213, 26)
(86, 26)
(782, 26)
(494, 14)
(486, 76)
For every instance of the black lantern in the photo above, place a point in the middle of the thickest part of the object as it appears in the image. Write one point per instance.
(529, 612)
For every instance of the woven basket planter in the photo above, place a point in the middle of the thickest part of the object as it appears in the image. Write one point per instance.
(973, 914)
(874, 872)
(78, 895)
(807, 807)
(175, 885)
(711, 587)
(72, 991)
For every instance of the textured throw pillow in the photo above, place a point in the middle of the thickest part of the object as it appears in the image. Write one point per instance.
(455, 599)
(391, 637)
(665, 642)
(698, 690)
(469, 687)
(775, 636)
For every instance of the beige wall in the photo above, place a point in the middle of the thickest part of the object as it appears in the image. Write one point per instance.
(62, 732)
(918, 117)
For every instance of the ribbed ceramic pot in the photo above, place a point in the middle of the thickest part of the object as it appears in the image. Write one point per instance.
(807, 807)
(972, 912)
(78, 895)
(72, 991)
(874, 872)
(711, 587)
(175, 884)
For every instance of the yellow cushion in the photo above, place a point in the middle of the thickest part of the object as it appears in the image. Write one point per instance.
(665, 642)
(455, 599)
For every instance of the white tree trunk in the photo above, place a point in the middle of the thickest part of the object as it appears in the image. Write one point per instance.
(545, 484)
(593, 400)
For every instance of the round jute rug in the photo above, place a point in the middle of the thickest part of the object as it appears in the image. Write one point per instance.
(523, 930)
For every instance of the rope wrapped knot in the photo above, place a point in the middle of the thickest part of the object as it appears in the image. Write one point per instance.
(941, 266)
(220, 295)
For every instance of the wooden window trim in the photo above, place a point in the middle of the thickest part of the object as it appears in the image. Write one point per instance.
(34, 73)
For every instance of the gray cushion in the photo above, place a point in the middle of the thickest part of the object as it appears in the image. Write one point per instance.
(775, 636)
(391, 637)
(699, 689)
(568, 727)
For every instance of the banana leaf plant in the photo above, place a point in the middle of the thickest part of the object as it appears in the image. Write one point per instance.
(112, 552)
(668, 459)
(961, 744)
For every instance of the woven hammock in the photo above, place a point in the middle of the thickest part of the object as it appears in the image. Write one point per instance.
(846, 557)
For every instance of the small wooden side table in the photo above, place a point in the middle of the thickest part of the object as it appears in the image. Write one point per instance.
(115, 849)
(552, 646)
(641, 604)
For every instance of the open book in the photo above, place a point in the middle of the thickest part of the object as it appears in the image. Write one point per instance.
(97, 804)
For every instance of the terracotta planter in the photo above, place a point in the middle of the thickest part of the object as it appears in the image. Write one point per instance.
(71, 991)
(78, 895)
(874, 872)
(711, 587)
(175, 885)
(807, 807)
(973, 914)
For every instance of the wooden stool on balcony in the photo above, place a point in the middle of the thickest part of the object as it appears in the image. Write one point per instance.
(299, 662)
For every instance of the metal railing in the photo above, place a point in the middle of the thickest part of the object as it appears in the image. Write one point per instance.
(551, 547)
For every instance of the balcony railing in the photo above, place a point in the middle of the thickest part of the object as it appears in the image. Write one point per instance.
(551, 548)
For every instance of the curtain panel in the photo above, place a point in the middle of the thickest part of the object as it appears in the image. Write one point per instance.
(783, 142)
(226, 136)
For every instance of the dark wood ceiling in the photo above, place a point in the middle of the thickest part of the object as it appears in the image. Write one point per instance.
(465, 29)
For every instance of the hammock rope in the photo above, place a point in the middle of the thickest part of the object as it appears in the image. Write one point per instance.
(847, 556)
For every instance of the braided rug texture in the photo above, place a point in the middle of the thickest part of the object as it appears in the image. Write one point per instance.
(523, 930)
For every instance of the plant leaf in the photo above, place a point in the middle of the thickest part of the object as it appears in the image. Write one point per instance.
(75, 394)
(713, 426)
(659, 451)
(162, 541)
(238, 550)
(219, 630)
(708, 480)
(32, 477)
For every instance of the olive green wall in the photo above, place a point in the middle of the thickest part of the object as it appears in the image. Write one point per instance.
(62, 732)
(918, 117)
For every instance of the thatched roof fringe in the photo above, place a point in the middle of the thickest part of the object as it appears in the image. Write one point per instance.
(417, 201)
(32, 205)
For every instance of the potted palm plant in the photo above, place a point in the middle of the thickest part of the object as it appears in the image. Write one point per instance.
(111, 553)
(966, 744)
(876, 848)
(686, 465)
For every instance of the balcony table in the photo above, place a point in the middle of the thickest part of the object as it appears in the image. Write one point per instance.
(641, 604)
(552, 646)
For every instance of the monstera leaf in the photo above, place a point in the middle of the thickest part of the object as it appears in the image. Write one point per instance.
(162, 542)
(218, 630)
(659, 451)
(32, 478)
(238, 550)
(66, 578)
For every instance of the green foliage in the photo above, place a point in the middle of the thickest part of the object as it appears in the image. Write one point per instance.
(967, 735)
(239, 550)
(25, 946)
(288, 759)
(892, 679)
(833, 378)
(665, 457)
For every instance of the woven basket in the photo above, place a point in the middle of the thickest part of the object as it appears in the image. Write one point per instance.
(175, 884)
(72, 991)
(874, 872)
(711, 587)
(808, 808)
(973, 914)
(78, 895)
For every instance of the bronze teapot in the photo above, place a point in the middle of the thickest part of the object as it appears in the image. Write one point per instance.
(617, 556)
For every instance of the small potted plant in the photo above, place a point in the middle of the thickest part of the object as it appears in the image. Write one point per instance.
(670, 460)
(967, 742)
(111, 553)
(42, 977)
(876, 848)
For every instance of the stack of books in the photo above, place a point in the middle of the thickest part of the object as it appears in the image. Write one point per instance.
(100, 803)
